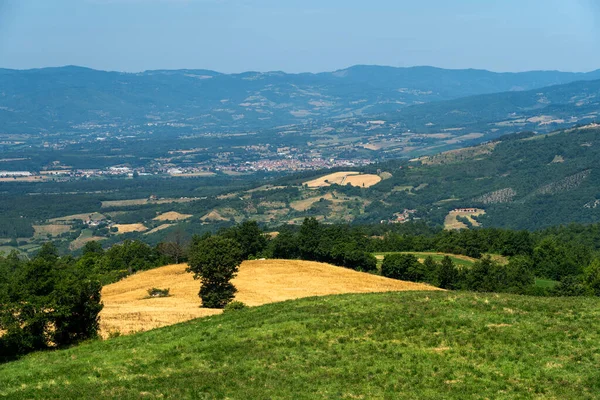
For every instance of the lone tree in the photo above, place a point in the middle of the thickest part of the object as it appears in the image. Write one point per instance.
(215, 261)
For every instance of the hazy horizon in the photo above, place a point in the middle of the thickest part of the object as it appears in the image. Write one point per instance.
(294, 72)
(233, 36)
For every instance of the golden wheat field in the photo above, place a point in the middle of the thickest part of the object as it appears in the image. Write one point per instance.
(126, 228)
(172, 216)
(344, 178)
(127, 308)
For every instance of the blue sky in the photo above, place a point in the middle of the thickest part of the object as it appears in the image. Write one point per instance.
(300, 35)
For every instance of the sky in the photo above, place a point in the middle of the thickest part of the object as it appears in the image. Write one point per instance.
(300, 35)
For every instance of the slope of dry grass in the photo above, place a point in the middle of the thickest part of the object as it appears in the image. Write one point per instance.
(344, 178)
(172, 216)
(126, 308)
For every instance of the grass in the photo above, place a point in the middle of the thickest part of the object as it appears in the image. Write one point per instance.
(402, 345)
(459, 260)
(545, 283)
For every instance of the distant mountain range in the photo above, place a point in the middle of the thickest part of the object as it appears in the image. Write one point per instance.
(53, 100)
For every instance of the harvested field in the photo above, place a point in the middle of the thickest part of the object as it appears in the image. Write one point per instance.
(158, 229)
(93, 215)
(126, 308)
(172, 216)
(126, 228)
(305, 204)
(451, 221)
(141, 202)
(364, 180)
(213, 216)
(327, 180)
(84, 237)
(344, 178)
(52, 230)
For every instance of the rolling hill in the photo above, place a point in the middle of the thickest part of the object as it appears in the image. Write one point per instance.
(127, 307)
(389, 345)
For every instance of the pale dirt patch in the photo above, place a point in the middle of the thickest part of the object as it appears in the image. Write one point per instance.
(127, 310)
(452, 223)
(172, 216)
(127, 228)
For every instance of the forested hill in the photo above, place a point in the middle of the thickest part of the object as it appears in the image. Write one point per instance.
(541, 108)
(50, 99)
(524, 181)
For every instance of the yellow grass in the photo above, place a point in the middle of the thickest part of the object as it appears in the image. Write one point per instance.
(172, 216)
(305, 204)
(327, 180)
(126, 308)
(52, 229)
(344, 178)
(452, 223)
(213, 216)
(81, 241)
(126, 228)
(158, 229)
(364, 180)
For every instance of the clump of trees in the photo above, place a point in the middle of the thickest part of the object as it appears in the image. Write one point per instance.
(46, 302)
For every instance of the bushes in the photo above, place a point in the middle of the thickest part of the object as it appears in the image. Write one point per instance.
(403, 266)
(46, 302)
(234, 306)
(156, 292)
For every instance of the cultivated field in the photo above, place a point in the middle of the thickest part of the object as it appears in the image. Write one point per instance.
(93, 215)
(459, 260)
(305, 204)
(126, 308)
(84, 237)
(126, 228)
(141, 202)
(158, 229)
(172, 216)
(51, 229)
(344, 178)
(451, 221)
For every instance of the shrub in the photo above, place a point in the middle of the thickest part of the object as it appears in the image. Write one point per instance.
(155, 292)
(234, 306)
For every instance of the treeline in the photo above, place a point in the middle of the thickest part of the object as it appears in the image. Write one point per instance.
(53, 302)
(46, 302)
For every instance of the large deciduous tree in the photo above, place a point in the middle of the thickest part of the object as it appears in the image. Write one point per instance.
(215, 261)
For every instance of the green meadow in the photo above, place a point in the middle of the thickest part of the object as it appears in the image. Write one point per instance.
(407, 345)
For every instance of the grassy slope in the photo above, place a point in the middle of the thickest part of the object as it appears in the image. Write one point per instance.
(460, 261)
(393, 345)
